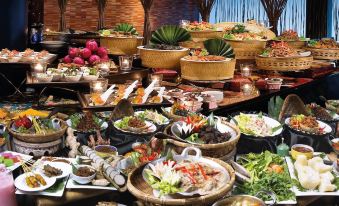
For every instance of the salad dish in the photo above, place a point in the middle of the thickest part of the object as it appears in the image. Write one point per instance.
(332, 105)
(172, 176)
(326, 48)
(86, 122)
(257, 125)
(308, 125)
(135, 125)
(239, 32)
(269, 171)
(153, 116)
(122, 30)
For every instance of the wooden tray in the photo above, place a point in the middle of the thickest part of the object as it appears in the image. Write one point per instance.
(84, 102)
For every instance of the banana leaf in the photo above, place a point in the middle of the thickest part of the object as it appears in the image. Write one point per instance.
(219, 48)
(170, 35)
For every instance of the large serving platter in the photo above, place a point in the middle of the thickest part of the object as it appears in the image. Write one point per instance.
(151, 128)
(269, 121)
(327, 128)
(185, 156)
(299, 193)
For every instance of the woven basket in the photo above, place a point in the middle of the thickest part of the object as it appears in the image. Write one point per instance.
(121, 46)
(207, 70)
(292, 105)
(199, 36)
(252, 27)
(39, 138)
(142, 191)
(327, 54)
(296, 44)
(246, 49)
(165, 59)
(192, 44)
(209, 150)
(284, 64)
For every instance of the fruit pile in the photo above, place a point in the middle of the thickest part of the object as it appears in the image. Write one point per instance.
(23, 122)
(8, 159)
(92, 54)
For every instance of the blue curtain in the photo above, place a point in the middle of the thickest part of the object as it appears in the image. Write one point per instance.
(334, 19)
(293, 17)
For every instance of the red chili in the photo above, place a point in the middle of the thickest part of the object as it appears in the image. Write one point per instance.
(202, 172)
(190, 176)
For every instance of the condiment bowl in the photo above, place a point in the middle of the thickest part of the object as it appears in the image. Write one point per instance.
(297, 150)
(83, 180)
(105, 150)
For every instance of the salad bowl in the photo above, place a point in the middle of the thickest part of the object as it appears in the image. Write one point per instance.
(224, 177)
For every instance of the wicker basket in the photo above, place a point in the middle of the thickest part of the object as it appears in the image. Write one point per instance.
(327, 54)
(296, 44)
(246, 49)
(284, 64)
(252, 27)
(292, 105)
(121, 46)
(198, 36)
(209, 150)
(207, 70)
(165, 59)
(192, 44)
(142, 191)
(39, 138)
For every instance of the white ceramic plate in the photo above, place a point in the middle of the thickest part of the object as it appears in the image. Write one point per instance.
(269, 121)
(20, 183)
(64, 167)
(166, 120)
(151, 128)
(327, 128)
(299, 193)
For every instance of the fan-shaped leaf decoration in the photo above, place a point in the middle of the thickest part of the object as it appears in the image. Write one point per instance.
(219, 47)
(125, 27)
(170, 35)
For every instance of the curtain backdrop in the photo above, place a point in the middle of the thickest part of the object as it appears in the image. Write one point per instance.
(335, 19)
(293, 17)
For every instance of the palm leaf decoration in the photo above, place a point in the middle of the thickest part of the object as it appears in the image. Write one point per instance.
(170, 35)
(219, 48)
(126, 28)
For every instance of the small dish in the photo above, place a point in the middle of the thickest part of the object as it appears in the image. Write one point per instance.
(41, 77)
(20, 183)
(301, 149)
(105, 150)
(73, 78)
(83, 180)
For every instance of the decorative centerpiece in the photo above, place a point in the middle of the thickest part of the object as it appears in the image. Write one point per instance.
(122, 40)
(327, 49)
(164, 50)
(212, 63)
(280, 56)
(293, 39)
(245, 42)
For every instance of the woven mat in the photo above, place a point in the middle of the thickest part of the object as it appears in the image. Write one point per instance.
(235, 97)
